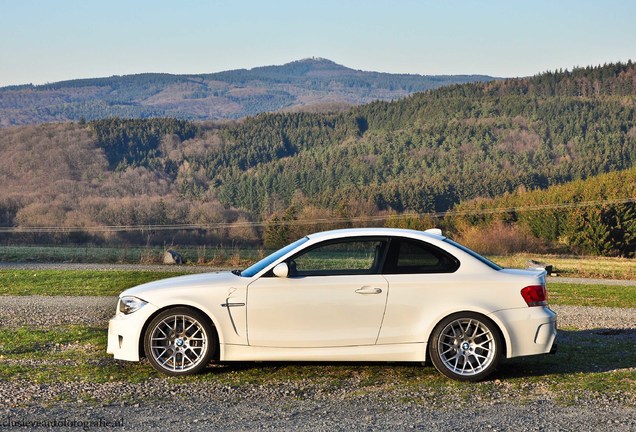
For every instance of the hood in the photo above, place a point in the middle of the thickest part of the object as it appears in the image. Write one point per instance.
(204, 281)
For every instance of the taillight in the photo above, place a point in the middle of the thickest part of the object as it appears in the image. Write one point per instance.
(535, 295)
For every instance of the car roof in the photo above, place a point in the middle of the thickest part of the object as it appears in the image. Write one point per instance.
(360, 232)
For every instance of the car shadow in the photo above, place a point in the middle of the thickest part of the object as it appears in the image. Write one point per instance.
(578, 351)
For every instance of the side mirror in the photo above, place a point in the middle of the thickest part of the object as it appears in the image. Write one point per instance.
(281, 270)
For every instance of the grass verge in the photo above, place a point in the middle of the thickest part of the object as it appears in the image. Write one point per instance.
(74, 282)
(592, 295)
(62, 354)
(590, 364)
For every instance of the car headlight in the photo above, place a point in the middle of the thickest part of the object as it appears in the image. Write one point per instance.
(130, 304)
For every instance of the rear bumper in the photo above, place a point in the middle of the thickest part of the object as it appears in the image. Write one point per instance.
(530, 331)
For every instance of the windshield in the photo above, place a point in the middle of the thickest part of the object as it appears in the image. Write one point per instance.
(254, 269)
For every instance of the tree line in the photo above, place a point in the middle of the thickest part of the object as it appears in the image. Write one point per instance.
(595, 216)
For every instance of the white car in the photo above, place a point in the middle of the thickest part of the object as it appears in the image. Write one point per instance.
(372, 294)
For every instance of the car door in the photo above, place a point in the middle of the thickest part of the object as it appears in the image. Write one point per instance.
(334, 296)
(423, 283)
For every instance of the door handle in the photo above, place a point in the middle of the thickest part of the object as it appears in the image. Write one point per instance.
(368, 290)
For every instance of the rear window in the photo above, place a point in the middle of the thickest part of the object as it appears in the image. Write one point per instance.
(474, 254)
(408, 256)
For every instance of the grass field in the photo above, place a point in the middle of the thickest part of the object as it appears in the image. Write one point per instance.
(570, 266)
(112, 282)
(77, 353)
(74, 282)
(215, 256)
(577, 266)
(592, 295)
(589, 365)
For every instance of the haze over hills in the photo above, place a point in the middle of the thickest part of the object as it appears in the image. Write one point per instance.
(313, 84)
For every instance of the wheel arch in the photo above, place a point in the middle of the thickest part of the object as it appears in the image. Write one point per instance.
(207, 316)
(498, 325)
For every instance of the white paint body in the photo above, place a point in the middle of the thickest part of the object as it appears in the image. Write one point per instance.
(377, 317)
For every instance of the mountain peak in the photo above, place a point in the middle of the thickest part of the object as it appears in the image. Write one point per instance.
(315, 60)
(306, 66)
(309, 82)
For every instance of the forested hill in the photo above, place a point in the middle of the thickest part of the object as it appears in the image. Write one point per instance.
(310, 84)
(434, 149)
(424, 153)
(596, 215)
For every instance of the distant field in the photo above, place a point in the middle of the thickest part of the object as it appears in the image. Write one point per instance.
(126, 255)
(112, 282)
(591, 295)
(569, 266)
(576, 266)
(74, 282)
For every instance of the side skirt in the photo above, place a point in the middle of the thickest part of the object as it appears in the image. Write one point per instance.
(414, 352)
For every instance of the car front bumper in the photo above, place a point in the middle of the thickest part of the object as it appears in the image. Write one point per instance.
(125, 333)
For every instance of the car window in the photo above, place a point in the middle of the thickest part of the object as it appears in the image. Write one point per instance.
(474, 254)
(414, 255)
(347, 257)
(411, 256)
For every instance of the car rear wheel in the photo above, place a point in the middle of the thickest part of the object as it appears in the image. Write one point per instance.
(179, 341)
(465, 347)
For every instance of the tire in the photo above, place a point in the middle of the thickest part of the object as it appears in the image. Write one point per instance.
(465, 346)
(179, 341)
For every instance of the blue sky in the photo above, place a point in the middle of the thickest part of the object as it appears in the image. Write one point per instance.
(48, 41)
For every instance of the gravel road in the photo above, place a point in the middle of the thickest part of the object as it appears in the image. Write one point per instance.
(250, 409)
(174, 404)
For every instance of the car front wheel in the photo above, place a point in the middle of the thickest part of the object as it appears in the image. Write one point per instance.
(179, 341)
(465, 347)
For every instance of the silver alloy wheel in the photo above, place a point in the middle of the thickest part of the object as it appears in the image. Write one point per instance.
(179, 343)
(466, 347)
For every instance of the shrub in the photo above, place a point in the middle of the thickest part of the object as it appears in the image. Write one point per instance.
(499, 238)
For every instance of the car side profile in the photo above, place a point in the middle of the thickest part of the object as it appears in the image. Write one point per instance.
(367, 294)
